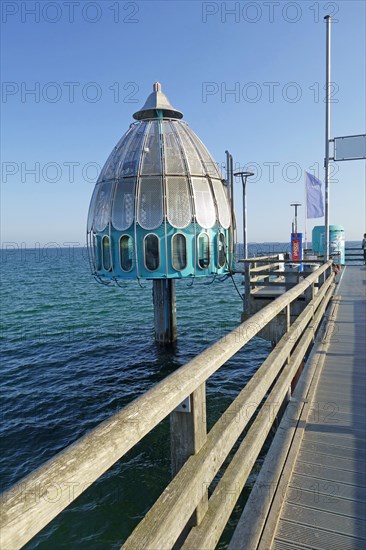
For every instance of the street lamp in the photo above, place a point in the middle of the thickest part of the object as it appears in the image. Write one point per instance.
(244, 176)
(294, 225)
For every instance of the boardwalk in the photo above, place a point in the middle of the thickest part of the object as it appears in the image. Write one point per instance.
(323, 479)
(310, 491)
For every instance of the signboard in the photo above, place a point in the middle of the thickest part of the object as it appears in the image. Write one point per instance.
(296, 246)
(350, 147)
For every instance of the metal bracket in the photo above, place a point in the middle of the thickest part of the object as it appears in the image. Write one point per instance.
(185, 406)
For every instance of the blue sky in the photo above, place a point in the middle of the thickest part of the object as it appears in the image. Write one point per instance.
(91, 65)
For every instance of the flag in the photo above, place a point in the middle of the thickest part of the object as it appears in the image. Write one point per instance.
(314, 197)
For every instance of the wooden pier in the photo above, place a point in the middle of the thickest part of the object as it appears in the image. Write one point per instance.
(310, 491)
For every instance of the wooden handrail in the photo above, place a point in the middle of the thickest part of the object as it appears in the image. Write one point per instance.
(227, 491)
(163, 523)
(260, 258)
(264, 267)
(26, 507)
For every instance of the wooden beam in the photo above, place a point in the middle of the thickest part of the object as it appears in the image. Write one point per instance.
(188, 434)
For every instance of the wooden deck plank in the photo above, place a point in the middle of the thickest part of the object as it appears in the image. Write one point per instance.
(322, 447)
(350, 441)
(327, 490)
(300, 536)
(332, 521)
(349, 463)
(330, 474)
(325, 502)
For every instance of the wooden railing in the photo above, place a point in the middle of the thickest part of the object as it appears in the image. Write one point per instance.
(354, 255)
(260, 271)
(185, 501)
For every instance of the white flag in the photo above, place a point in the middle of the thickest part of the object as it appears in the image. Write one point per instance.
(314, 196)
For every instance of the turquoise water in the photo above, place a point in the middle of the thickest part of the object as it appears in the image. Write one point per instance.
(74, 353)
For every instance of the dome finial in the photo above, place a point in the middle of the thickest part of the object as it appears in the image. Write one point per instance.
(157, 105)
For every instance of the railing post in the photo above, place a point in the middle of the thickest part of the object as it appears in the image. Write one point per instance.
(188, 433)
(309, 293)
(288, 317)
(281, 410)
(323, 277)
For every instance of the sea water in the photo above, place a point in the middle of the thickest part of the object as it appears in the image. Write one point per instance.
(74, 352)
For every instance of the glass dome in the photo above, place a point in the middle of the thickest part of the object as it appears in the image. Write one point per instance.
(160, 207)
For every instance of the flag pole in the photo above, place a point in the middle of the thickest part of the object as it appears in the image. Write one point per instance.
(306, 216)
(327, 137)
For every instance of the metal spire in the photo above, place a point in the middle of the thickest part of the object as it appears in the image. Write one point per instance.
(157, 105)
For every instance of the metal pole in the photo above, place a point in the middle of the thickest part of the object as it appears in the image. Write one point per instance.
(244, 176)
(244, 180)
(305, 245)
(228, 173)
(294, 225)
(230, 188)
(296, 218)
(233, 233)
(327, 137)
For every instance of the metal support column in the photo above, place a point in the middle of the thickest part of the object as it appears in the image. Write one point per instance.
(244, 176)
(294, 225)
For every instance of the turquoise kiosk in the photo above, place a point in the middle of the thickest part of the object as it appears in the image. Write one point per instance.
(160, 209)
(336, 242)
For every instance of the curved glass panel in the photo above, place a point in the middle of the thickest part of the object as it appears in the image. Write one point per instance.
(151, 249)
(172, 152)
(203, 245)
(126, 252)
(150, 202)
(205, 208)
(178, 202)
(106, 253)
(179, 251)
(130, 164)
(221, 250)
(103, 205)
(194, 162)
(151, 156)
(109, 170)
(210, 164)
(222, 203)
(93, 200)
(123, 209)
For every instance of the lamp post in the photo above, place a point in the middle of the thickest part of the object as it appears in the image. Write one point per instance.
(244, 176)
(296, 205)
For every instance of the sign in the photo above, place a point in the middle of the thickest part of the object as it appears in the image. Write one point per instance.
(296, 246)
(350, 147)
